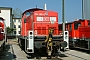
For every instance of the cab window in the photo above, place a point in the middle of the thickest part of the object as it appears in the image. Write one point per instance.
(89, 23)
(60, 27)
(66, 26)
(76, 25)
(70, 26)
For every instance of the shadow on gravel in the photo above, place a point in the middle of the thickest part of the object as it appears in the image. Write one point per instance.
(40, 55)
(81, 50)
(7, 53)
(62, 55)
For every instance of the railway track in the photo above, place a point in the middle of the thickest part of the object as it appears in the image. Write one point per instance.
(13, 52)
(8, 53)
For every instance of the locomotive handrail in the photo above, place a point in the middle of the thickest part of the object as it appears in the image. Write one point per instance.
(43, 22)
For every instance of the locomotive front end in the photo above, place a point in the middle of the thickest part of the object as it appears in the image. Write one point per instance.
(43, 22)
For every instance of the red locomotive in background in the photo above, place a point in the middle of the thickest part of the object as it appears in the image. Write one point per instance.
(2, 33)
(35, 26)
(79, 33)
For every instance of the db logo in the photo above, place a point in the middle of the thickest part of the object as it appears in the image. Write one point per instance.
(46, 18)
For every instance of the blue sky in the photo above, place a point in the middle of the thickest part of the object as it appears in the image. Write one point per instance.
(73, 8)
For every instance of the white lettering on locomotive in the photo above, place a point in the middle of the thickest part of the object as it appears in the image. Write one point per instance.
(36, 13)
(51, 19)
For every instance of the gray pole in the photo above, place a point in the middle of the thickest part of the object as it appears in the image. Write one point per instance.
(63, 20)
(82, 10)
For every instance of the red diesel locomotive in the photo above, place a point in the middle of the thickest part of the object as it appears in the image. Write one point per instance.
(2, 33)
(35, 26)
(79, 33)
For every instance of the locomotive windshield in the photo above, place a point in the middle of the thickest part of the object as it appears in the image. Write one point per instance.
(0, 20)
(28, 13)
(76, 25)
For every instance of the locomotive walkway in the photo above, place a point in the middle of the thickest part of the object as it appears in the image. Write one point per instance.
(20, 55)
